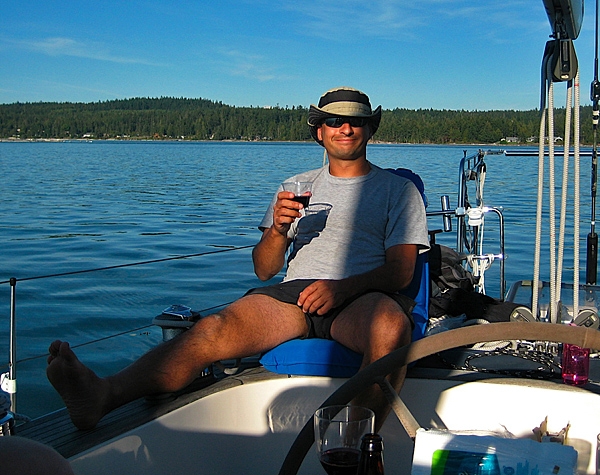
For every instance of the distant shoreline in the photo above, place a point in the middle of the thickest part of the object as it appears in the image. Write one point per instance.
(148, 140)
(172, 119)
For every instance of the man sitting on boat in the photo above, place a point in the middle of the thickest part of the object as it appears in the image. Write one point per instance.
(342, 280)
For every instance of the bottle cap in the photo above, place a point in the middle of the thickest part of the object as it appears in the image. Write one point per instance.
(372, 443)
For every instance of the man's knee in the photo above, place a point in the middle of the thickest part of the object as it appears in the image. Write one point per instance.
(374, 324)
(27, 457)
(387, 310)
(394, 332)
(390, 323)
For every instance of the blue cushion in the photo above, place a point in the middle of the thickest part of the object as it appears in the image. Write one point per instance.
(315, 357)
(318, 357)
(418, 290)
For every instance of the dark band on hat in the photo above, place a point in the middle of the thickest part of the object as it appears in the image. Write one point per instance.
(344, 95)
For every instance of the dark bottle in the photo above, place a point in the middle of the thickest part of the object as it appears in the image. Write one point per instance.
(371, 455)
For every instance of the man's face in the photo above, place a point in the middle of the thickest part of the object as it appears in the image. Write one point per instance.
(345, 142)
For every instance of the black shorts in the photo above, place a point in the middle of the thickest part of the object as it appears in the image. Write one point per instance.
(320, 325)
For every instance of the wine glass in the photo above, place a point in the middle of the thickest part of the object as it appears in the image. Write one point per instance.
(301, 190)
(338, 434)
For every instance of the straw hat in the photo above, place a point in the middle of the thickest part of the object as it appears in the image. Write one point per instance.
(344, 102)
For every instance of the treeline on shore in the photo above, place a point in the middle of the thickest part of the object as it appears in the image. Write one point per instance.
(200, 119)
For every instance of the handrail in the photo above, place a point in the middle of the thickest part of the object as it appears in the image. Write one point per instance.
(131, 264)
(8, 380)
(469, 165)
(114, 335)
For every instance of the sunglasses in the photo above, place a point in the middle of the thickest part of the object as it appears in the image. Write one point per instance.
(337, 122)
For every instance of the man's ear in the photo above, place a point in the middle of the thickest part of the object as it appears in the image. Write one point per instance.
(320, 133)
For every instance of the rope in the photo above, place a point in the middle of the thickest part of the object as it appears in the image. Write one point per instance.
(538, 216)
(563, 201)
(572, 104)
(481, 267)
(480, 264)
(132, 264)
(547, 368)
(552, 203)
(576, 199)
(476, 219)
(97, 340)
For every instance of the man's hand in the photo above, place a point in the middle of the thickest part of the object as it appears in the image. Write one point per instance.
(285, 212)
(323, 295)
(268, 255)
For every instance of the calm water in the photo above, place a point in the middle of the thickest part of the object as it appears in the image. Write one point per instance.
(76, 206)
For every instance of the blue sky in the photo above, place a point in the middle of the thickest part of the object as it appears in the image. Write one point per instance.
(440, 54)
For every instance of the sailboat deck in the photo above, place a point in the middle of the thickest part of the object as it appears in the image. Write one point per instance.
(55, 429)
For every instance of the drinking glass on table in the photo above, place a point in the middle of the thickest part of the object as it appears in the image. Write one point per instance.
(301, 190)
(338, 434)
(575, 364)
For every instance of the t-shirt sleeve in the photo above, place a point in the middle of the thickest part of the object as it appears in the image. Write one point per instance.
(407, 222)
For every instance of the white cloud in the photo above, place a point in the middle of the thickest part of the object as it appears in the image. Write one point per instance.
(61, 46)
(356, 18)
(248, 65)
(402, 19)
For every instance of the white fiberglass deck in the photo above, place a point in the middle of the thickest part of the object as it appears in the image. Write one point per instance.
(248, 429)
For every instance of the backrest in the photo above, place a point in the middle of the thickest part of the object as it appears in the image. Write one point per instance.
(419, 291)
(420, 287)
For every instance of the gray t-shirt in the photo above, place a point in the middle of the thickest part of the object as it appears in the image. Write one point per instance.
(351, 222)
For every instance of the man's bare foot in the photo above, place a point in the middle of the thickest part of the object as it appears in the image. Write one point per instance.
(83, 392)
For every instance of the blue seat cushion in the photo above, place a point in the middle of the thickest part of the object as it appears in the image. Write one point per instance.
(314, 357)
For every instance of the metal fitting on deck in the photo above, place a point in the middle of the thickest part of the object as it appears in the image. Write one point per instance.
(175, 320)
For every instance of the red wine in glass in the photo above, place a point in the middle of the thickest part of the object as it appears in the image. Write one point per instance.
(340, 461)
(304, 199)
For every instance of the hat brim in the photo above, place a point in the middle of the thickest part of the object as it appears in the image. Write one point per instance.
(316, 116)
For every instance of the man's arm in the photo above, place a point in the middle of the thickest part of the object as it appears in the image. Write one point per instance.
(394, 275)
(268, 255)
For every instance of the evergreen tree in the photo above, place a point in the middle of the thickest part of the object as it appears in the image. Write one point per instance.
(200, 119)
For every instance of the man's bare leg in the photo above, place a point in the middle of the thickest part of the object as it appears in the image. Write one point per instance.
(251, 325)
(374, 325)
